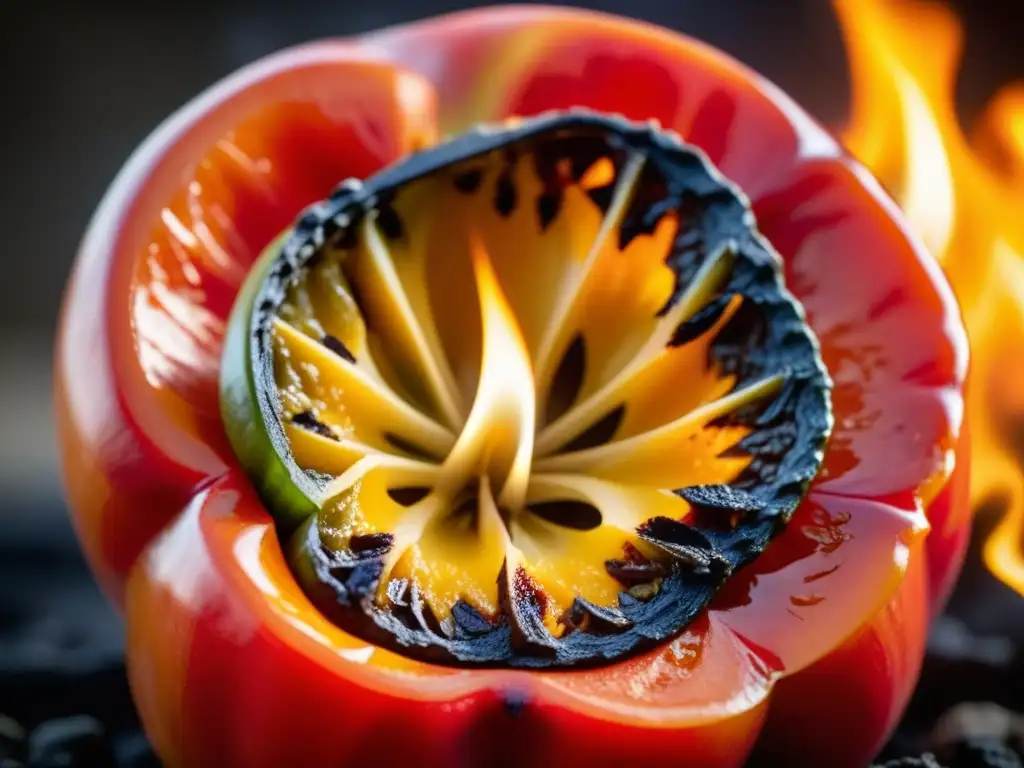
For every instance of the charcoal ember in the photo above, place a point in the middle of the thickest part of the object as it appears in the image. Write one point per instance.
(12, 742)
(971, 733)
(69, 743)
(924, 761)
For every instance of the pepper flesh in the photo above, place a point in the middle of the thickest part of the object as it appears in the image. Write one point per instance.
(229, 662)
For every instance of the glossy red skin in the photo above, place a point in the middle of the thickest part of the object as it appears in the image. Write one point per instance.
(811, 652)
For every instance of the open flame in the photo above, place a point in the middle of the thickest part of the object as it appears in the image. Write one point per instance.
(497, 439)
(965, 196)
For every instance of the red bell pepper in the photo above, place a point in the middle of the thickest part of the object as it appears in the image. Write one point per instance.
(806, 657)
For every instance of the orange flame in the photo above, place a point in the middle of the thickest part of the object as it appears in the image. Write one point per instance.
(965, 197)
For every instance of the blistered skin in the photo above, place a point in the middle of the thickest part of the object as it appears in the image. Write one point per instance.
(229, 661)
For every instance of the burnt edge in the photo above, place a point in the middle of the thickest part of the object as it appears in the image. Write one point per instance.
(769, 335)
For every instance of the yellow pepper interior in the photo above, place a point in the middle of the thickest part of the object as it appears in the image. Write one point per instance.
(486, 374)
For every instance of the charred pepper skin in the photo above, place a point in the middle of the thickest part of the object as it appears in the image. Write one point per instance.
(809, 654)
(794, 425)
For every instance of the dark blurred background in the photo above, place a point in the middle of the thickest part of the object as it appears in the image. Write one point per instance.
(82, 83)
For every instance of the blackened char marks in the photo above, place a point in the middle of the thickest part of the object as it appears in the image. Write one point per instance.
(548, 206)
(602, 431)
(686, 544)
(389, 221)
(597, 619)
(376, 543)
(505, 195)
(337, 346)
(634, 568)
(409, 495)
(308, 421)
(649, 204)
(469, 181)
(469, 620)
(721, 498)
(701, 322)
(524, 602)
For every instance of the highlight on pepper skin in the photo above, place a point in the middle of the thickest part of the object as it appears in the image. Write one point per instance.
(431, 368)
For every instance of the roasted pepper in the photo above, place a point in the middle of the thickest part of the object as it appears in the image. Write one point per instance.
(605, 413)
